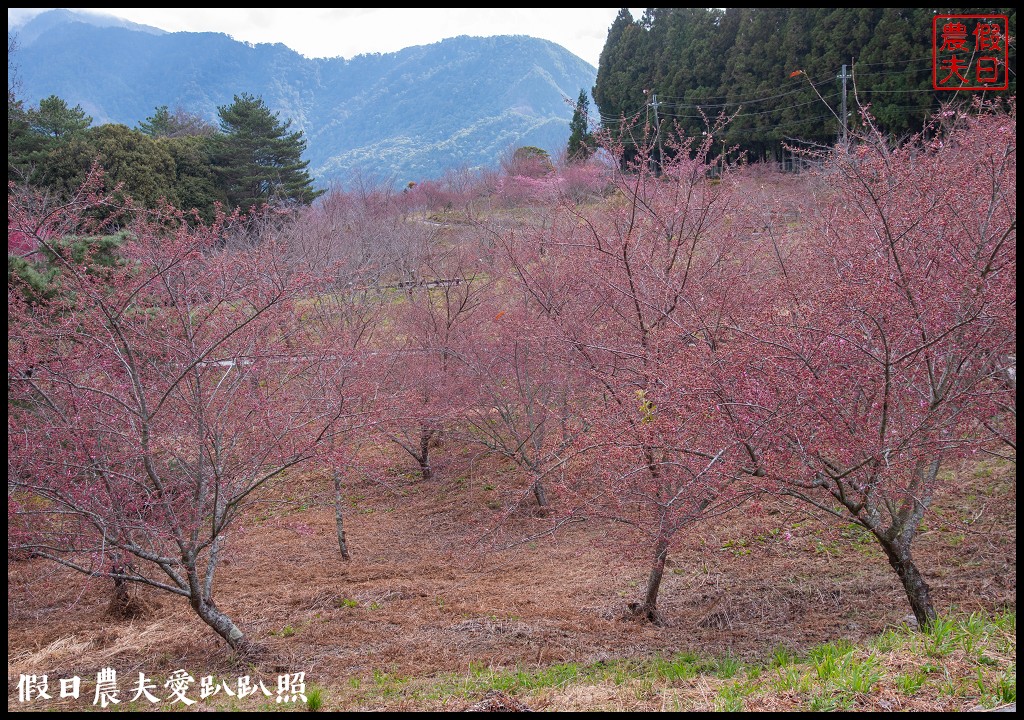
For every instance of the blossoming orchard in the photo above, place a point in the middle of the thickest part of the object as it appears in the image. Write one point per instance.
(653, 345)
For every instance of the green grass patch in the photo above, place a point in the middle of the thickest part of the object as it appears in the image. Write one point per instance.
(962, 656)
(910, 683)
(731, 697)
(314, 698)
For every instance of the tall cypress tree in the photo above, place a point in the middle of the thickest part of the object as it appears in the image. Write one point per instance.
(581, 142)
(258, 160)
(623, 74)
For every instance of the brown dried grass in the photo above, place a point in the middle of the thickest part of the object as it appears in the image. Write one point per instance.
(428, 601)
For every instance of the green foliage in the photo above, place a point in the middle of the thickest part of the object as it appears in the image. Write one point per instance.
(834, 676)
(36, 136)
(827, 702)
(61, 166)
(910, 683)
(257, 159)
(40, 278)
(314, 698)
(163, 123)
(829, 659)
(38, 283)
(941, 637)
(781, 657)
(860, 676)
(581, 140)
(740, 60)
(22, 142)
(792, 678)
(1006, 686)
(727, 667)
(173, 156)
(730, 698)
(530, 161)
(142, 166)
(158, 124)
(53, 118)
(680, 667)
(194, 178)
(529, 152)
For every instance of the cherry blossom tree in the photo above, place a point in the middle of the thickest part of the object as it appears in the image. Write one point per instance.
(149, 402)
(340, 331)
(888, 337)
(434, 319)
(519, 406)
(642, 292)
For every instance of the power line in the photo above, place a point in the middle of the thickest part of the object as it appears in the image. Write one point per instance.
(607, 119)
(677, 102)
(766, 112)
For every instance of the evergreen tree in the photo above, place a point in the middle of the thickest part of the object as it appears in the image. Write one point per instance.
(581, 141)
(158, 124)
(40, 274)
(195, 177)
(36, 135)
(142, 165)
(623, 74)
(21, 141)
(744, 62)
(56, 120)
(164, 123)
(257, 159)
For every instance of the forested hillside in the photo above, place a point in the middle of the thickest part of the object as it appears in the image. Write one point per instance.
(676, 65)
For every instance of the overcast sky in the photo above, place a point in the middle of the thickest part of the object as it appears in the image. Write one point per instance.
(348, 32)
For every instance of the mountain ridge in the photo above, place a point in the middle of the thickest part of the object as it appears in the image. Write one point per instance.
(460, 103)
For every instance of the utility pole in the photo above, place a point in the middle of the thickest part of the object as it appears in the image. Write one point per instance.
(657, 126)
(844, 77)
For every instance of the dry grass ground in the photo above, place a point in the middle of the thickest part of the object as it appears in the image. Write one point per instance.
(420, 618)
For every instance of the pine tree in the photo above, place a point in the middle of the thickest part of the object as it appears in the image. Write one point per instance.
(56, 120)
(581, 141)
(37, 137)
(158, 124)
(180, 123)
(258, 160)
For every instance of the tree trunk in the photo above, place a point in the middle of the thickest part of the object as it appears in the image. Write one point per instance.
(649, 609)
(338, 517)
(202, 602)
(122, 598)
(223, 625)
(913, 583)
(424, 457)
(123, 605)
(540, 493)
